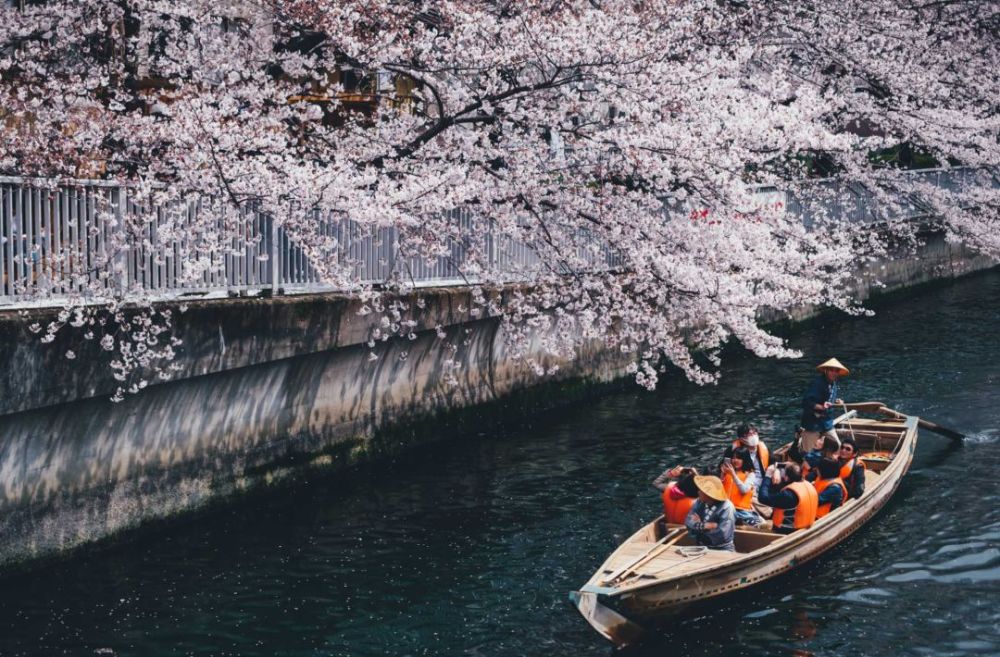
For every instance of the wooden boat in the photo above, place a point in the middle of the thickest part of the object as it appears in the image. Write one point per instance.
(658, 572)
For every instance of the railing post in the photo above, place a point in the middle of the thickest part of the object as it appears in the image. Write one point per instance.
(275, 255)
(121, 257)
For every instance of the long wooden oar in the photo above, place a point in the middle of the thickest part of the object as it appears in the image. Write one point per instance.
(866, 407)
(879, 407)
(927, 424)
(654, 550)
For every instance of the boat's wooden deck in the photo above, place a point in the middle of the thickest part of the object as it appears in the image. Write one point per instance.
(669, 562)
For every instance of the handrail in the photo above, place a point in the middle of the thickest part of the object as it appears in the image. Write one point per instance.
(59, 238)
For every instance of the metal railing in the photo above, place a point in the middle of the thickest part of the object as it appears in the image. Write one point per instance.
(85, 239)
(88, 239)
(854, 203)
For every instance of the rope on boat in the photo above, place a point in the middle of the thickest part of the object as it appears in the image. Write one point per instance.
(691, 552)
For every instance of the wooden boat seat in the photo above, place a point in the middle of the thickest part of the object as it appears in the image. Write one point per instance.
(748, 540)
(871, 477)
(874, 463)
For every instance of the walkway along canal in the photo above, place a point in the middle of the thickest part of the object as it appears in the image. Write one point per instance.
(470, 546)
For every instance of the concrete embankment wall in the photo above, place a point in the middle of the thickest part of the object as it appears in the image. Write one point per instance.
(267, 386)
(935, 260)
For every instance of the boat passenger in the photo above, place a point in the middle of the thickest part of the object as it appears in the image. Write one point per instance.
(817, 405)
(712, 520)
(678, 496)
(829, 487)
(829, 450)
(852, 468)
(793, 453)
(740, 482)
(748, 438)
(794, 500)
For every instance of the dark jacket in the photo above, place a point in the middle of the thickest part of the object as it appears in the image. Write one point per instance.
(779, 498)
(855, 482)
(820, 390)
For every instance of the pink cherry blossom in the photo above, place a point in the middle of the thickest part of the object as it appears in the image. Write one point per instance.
(656, 159)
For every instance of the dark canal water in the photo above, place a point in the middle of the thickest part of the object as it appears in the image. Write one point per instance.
(471, 547)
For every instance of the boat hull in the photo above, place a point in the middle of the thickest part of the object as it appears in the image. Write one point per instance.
(621, 613)
(612, 625)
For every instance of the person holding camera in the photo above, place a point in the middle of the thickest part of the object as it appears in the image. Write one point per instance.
(794, 501)
(817, 406)
(740, 482)
(678, 496)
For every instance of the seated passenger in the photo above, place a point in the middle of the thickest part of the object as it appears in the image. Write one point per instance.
(748, 439)
(828, 450)
(794, 500)
(852, 468)
(678, 496)
(829, 488)
(712, 519)
(740, 482)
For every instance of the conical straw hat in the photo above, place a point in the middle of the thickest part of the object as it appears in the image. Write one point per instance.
(833, 363)
(711, 486)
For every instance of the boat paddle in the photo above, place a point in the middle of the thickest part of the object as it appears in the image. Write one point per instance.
(879, 407)
(654, 550)
(848, 426)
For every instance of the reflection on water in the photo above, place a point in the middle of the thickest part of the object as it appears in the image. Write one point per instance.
(470, 547)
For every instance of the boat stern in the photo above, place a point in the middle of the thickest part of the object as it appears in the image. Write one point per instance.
(613, 626)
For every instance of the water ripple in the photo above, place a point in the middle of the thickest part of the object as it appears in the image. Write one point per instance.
(469, 547)
(982, 437)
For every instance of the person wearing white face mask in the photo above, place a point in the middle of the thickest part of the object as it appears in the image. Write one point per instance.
(748, 439)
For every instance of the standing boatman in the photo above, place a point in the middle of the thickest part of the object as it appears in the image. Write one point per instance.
(817, 406)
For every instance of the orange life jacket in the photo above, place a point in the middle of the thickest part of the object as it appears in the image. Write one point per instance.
(762, 453)
(847, 469)
(804, 512)
(675, 511)
(821, 485)
(739, 500)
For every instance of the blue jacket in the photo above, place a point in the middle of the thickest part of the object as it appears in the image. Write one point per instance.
(820, 390)
(721, 513)
(781, 498)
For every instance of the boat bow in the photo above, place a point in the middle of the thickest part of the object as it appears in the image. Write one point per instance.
(590, 601)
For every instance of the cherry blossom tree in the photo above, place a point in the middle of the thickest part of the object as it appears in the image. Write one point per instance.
(629, 145)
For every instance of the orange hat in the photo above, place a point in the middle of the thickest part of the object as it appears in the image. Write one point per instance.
(834, 364)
